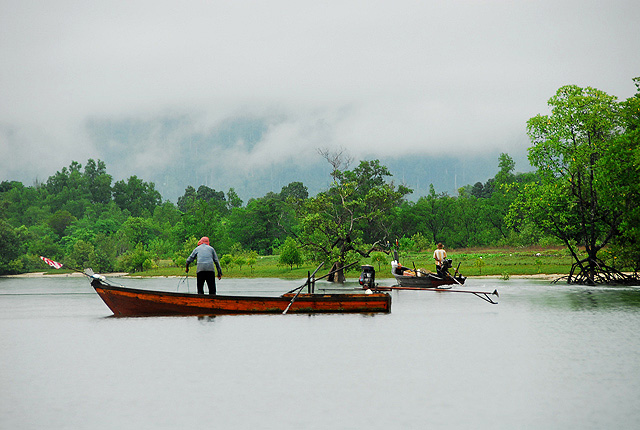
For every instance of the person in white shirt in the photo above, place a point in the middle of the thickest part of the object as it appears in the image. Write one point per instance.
(439, 255)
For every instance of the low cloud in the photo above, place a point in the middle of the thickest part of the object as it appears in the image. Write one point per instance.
(153, 87)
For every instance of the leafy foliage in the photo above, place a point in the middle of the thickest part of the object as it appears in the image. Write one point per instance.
(586, 189)
(290, 254)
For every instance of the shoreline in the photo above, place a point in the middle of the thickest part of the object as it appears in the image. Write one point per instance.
(543, 276)
(61, 275)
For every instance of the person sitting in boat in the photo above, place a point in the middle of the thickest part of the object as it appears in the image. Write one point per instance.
(439, 255)
(207, 258)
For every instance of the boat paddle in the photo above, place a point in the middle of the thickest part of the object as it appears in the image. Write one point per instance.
(301, 287)
(309, 280)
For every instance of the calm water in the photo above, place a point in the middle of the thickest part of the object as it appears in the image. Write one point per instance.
(548, 356)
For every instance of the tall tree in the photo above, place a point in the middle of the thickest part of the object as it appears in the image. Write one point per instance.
(332, 224)
(620, 176)
(568, 149)
(436, 213)
(138, 197)
(11, 248)
(97, 181)
(262, 224)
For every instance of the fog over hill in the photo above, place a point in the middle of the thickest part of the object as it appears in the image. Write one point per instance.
(170, 153)
(234, 155)
(447, 174)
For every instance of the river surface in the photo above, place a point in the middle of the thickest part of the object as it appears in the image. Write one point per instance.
(546, 357)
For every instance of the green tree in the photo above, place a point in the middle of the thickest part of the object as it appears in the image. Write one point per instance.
(290, 254)
(335, 223)
(137, 230)
(619, 173)
(507, 167)
(227, 261)
(136, 196)
(97, 181)
(262, 224)
(569, 147)
(435, 213)
(379, 258)
(60, 220)
(295, 190)
(134, 259)
(233, 200)
(11, 248)
(82, 255)
(186, 201)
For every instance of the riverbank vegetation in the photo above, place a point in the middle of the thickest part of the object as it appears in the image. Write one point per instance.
(579, 211)
(503, 263)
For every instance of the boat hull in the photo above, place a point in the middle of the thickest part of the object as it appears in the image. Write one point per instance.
(428, 281)
(129, 302)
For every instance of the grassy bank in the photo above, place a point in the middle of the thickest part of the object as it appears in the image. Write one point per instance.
(503, 262)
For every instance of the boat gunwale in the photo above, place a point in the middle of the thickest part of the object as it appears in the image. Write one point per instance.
(283, 297)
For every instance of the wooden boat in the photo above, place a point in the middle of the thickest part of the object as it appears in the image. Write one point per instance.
(429, 283)
(420, 278)
(408, 279)
(129, 302)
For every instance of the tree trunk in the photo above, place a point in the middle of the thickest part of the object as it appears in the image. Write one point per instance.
(338, 275)
(592, 271)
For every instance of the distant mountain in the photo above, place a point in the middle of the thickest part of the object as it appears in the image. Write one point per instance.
(447, 174)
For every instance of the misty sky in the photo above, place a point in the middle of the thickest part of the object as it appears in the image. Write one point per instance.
(238, 89)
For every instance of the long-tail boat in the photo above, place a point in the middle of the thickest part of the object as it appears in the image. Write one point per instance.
(420, 278)
(433, 283)
(129, 302)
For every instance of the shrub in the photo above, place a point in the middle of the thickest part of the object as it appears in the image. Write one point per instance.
(290, 254)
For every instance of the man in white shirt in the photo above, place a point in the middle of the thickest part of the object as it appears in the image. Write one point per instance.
(439, 255)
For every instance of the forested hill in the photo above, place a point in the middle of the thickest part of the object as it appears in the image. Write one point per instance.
(84, 218)
(584, 195)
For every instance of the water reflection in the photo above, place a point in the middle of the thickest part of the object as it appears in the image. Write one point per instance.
(592, 299)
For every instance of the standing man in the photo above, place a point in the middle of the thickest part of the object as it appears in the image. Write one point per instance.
(207, 257)
(439, 255)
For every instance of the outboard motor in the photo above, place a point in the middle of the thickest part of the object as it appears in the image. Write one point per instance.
(368, 277)
(443, 270)
(447, 264)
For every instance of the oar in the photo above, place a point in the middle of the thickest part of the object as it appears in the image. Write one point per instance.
(308, 280)
(305, 284)
(301, 287)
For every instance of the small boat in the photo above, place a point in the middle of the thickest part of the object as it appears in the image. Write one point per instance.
(129, 302)
(368, 282)
(417, 279)
(420, 278)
